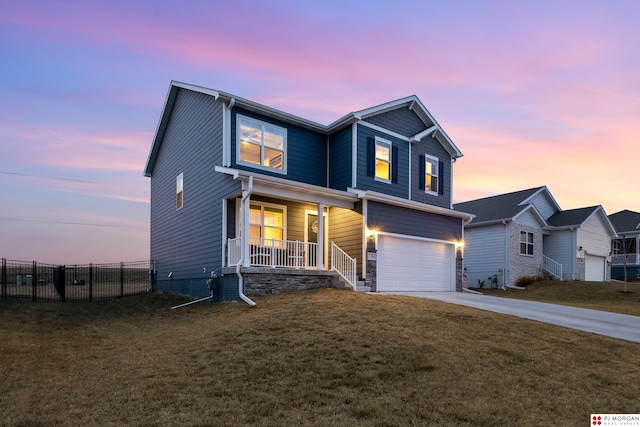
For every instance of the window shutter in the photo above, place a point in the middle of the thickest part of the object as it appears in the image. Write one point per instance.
(422, 171)
(440, 178)
(394, 164)
(371, 156)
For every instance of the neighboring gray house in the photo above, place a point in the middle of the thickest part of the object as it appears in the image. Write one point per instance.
(366, 198)
(525, 233)
(626, 248)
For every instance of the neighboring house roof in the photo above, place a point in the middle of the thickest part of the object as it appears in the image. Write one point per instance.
(571, 217)
(412, 102)
(577, 217)
(626, 221)
(498, 208)
(507, 207)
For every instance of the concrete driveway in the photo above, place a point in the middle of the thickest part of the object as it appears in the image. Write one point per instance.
(600, 322)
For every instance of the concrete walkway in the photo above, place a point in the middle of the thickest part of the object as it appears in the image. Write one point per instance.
(600, 322)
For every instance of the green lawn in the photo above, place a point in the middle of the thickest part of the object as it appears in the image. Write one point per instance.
(322, 357)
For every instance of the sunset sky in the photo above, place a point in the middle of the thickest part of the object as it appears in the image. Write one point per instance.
(532, 92)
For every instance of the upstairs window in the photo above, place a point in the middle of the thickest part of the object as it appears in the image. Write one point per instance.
(431, 174)
(179, 190)
(261, 144)
(383, 160)
(526, 243)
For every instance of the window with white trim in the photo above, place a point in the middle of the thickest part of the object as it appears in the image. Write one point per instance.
(179, 191)
(383, 159)
(261, 144)
(526, 243)
(267, 221)
(431, 177)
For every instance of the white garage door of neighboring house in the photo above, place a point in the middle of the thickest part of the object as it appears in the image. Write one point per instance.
(406, 264)
(594, 268)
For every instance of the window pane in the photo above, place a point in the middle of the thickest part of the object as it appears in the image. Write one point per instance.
(273, 217)
(432, 167)
(273, 137)
(273, 233)
(382, 169)
(431, 183)
(179, 200)
(250, 152)
(255, 215)
(255, 232)
(273, 158)
(382, 151)
(250, 131)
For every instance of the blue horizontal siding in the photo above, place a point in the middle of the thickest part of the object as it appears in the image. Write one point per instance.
(364, 182)
(340, 165)
(432, 147)
(401, 120)
(398, 220)
(306, 154)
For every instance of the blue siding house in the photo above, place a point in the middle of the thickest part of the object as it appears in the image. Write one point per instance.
(249, 200)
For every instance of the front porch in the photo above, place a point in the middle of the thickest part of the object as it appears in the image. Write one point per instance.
(289, 255)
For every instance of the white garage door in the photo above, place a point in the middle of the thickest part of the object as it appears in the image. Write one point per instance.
(406, 264)
(594, 268)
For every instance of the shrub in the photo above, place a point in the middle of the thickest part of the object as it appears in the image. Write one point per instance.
(524, 281)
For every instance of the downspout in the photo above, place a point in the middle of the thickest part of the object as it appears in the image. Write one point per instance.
(246, 193)
(507, 254)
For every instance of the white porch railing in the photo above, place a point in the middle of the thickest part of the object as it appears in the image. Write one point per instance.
(621, 259)
(552, 267)
(274, 253)
(343, 264)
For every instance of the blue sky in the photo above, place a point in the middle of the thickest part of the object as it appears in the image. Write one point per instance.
(532, 92)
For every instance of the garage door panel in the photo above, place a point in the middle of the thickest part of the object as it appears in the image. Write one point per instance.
(406, 264)
(594, 268)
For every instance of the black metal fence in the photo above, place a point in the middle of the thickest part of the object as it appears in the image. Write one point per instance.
(49, 282)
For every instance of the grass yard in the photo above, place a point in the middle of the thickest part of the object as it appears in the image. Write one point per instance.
(323, 357)
(607, 296)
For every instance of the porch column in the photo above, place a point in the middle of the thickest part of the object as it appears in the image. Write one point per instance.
(245, 203)
(320, 253)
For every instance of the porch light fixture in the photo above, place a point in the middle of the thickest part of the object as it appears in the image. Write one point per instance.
(371, 239)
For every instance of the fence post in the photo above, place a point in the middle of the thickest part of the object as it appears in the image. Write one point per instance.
(152, 275)
(59, 281)
(4, 278)
(122, 279)
(34, 281)
(90, 282)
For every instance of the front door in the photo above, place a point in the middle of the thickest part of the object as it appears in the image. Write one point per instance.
(311, 235)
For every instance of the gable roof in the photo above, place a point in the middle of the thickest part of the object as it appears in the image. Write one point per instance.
(412, 102)
(503, 207)
(577, 218)
(626, 221)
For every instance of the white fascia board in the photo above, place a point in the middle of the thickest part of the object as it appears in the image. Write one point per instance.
(383, 130)
(549, 195)
(196, 88)
(374, 196)
(419, 136)
(292, 190)
(536, 213)
(382, 108)
(492, 222)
